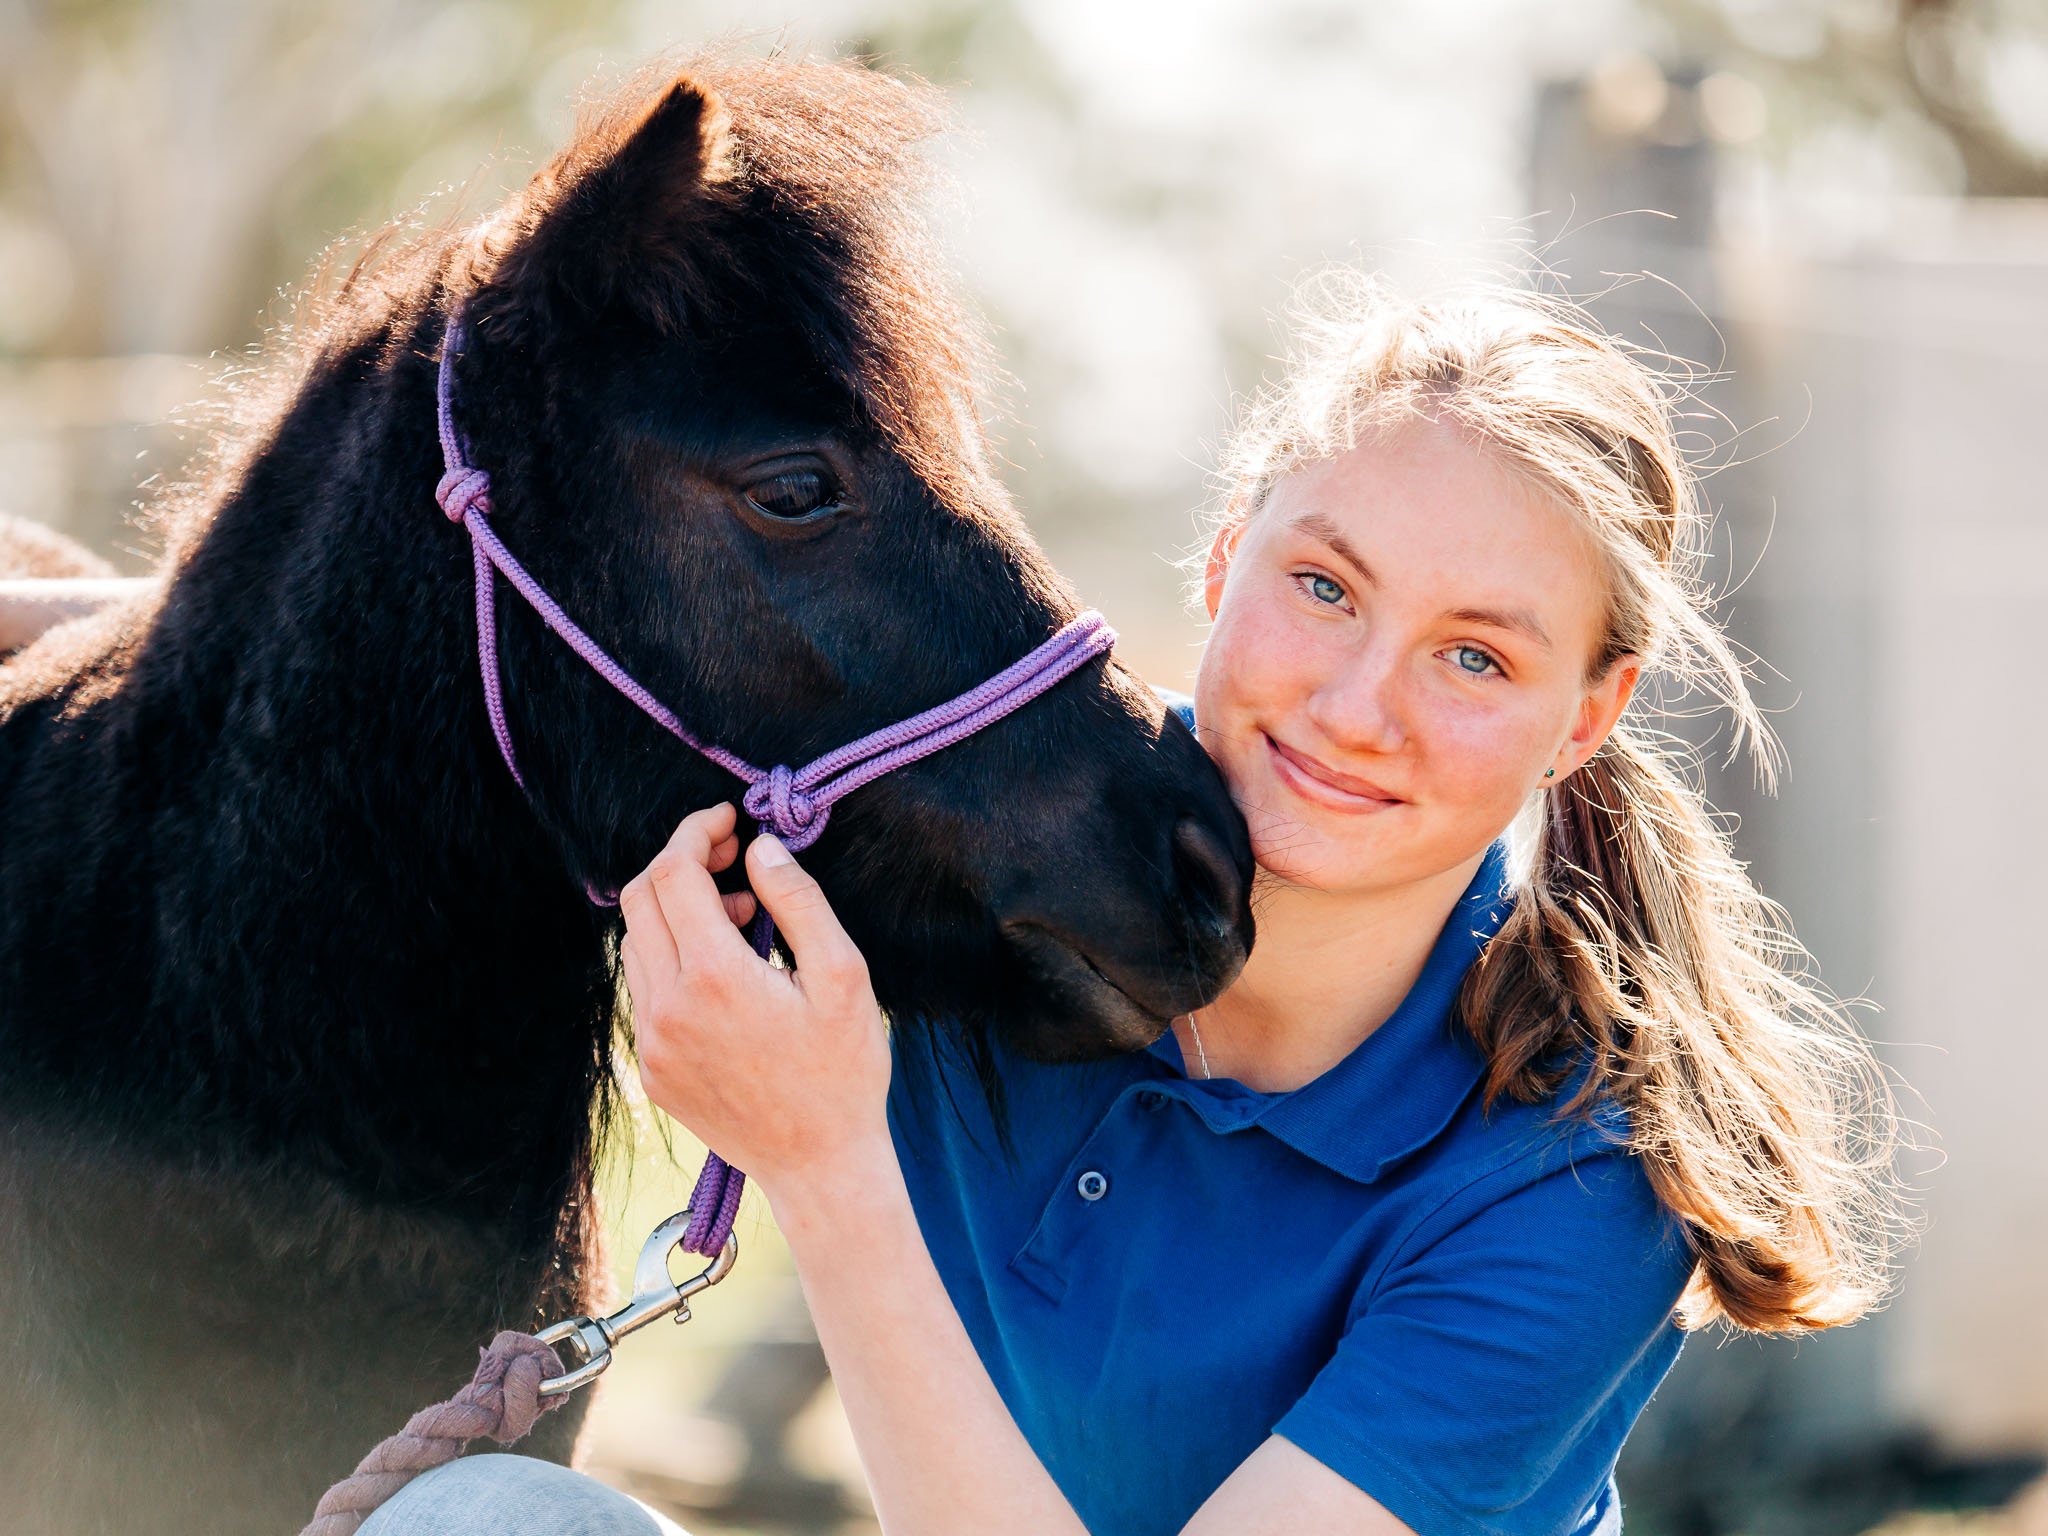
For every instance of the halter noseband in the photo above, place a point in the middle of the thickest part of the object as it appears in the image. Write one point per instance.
(793, 803)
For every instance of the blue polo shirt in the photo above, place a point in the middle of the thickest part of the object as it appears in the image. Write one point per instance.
(1461, 1312)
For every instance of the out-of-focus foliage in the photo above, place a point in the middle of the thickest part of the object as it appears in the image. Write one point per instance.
(165, 162)
(164, 165)
(1144, 179)
(1963, 82)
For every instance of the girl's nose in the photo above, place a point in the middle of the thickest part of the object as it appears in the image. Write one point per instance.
(1362, 707)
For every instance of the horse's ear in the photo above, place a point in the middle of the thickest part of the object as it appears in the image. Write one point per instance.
(647, 191)
(619, 216)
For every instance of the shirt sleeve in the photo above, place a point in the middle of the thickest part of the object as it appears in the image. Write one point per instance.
(1489, 1380)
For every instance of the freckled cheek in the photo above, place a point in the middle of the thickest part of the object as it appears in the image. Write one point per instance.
(1293, 658)
(1256, 664)
(1255, 673)
(1482, 757)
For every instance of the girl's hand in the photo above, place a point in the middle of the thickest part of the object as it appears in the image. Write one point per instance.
(783, 1073)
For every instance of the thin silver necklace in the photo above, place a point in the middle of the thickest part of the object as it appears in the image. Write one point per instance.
(1200, 1054)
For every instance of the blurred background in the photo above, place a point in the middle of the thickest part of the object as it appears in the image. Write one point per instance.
(1836, 210)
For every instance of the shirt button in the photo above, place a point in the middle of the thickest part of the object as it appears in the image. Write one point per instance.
(1152, 1098)
(1092, 1185)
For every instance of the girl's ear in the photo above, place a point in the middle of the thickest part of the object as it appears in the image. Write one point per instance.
(1221, 548)
(1598, 712)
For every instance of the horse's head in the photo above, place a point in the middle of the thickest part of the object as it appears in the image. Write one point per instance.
(726, 404)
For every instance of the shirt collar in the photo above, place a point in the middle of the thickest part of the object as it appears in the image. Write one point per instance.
(1400, 1087)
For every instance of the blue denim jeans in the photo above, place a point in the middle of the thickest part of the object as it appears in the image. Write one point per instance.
(513, 1496)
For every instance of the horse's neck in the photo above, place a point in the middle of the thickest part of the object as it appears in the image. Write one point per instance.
(301, 909)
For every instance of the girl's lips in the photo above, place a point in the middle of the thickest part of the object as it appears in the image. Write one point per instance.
(1312, 781)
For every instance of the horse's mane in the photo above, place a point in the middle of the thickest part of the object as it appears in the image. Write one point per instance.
(835, 146)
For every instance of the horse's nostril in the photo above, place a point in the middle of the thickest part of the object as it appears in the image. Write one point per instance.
(1212, 886)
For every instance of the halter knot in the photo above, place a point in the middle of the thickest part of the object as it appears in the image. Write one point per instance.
(777, 804)
(462, 489)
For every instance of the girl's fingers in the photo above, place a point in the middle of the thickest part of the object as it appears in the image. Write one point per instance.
(719, 822)
(740, 906)
(826, 958)
(639, 984)
(724, 851)
(688, 899)
(646, 929)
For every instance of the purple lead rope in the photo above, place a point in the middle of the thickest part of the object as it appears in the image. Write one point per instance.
(793, 803)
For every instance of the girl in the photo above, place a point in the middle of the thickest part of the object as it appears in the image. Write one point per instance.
(1520, 1081)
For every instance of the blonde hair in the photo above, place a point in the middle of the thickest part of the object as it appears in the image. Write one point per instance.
(1639, 945)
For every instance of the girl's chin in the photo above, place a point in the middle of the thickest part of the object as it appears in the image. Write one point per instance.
(1308, 845)
(1303, 856)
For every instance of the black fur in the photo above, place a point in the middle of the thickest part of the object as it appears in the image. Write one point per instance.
(307, 1029)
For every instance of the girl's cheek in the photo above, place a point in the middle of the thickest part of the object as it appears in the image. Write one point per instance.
(1296, 660)
(1261, 630)
(1254, 665)
(1483, 753)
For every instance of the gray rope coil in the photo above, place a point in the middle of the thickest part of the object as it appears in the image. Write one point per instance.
(502, 1401)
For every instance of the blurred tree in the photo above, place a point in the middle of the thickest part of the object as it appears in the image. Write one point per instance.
(164, 160)
(1974, 71)
(158, 141)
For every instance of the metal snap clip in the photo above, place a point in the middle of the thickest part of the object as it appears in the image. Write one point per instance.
(655, 1296)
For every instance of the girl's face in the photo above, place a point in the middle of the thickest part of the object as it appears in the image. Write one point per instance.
(1401, 644)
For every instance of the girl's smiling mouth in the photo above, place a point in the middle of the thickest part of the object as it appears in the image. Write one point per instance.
(1324, 785)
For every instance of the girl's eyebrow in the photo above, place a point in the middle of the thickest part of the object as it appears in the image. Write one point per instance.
(1318, 525)
(1517, 621)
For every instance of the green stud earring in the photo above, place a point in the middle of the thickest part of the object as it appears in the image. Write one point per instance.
(1550, 773)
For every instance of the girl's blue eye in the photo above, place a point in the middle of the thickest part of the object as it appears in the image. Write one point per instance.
(1475, 661)
(1325, 590)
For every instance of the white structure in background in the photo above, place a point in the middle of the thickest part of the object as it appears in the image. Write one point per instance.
(1885, 520)
(1904, 595)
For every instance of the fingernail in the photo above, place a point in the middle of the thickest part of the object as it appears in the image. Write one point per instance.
(769, 850)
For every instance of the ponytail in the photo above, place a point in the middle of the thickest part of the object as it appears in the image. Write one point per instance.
(1641, 960)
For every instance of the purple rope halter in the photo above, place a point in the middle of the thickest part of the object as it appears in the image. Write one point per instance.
(793, 803)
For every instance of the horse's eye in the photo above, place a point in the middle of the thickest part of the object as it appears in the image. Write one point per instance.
(796, 493)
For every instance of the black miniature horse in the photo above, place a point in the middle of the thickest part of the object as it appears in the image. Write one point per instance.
(306, 1025)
